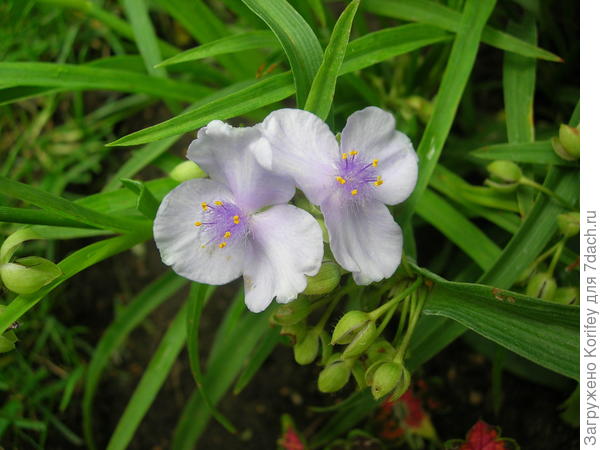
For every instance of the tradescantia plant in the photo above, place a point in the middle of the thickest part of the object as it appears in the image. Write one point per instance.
(377, 254)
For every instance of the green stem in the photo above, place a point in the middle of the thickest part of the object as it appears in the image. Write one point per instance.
(529, 182)
(556, 257)
(401, 323)
(333, 303)
(376, 313)
(418, 300)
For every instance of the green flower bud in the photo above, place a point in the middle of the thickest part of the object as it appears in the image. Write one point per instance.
(325, 281)
(306, 350)
(348, 326)
(402, 385)
(380, 349)
(505, 171)
(387, 378)
(187, 170)
(362, 341)
(569, 140)
(567, 295)
(542, 285)
(370, 372)
(568, 223)
(335, 375)
(292, 312)
(27, 275)
(7, 341)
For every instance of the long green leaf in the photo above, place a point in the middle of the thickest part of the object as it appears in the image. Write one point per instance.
(297, 40)
(544, 332)
(362, 52)
(37, 216)
(154, 376)
(322, 89)
(230, 44)
(433, 13)
(83, 77)
(197, 299)
(66, 208)
(129, 318)
(458, 229)
(539, 152)
(454, 80)
(260, 94)
(70, 266)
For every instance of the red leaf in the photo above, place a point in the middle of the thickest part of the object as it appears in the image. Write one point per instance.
(483, 437)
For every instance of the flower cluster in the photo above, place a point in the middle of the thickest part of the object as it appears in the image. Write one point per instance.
(239, 221)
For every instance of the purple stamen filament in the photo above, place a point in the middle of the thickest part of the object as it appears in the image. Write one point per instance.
(222, 223)
(356, 175)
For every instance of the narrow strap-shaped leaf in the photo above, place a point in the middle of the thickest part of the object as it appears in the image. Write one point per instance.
(199, 293)
(454, 80)
(544, 332)
(129, 318)
(456, 227)
(154, 376)
(70, 266)
(434, 13)
(322, 89)
(539, 152)
(230, 44)
(66, 208)
(297, 40)
(83, 77)
(37, 216)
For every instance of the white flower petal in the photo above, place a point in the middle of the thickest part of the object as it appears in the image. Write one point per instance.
(304, 148)
(285, 245)
(372, 132)
(231, 156)
(180, 241)
(363, 237)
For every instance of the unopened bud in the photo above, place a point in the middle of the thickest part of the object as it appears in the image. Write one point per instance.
(348, 326)
(379, 349)
(362, 341)
(505, 171)
(568, 223)
(335, 375)
(7, 341)
(187, 170)
(292, 312)
(566, 295)
(569, 139)
(542, 285)
(306, 350)
(325, 281)
(27, 275)
(387, 378)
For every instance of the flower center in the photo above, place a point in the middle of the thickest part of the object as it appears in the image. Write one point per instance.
(221, 224)
(357, 176)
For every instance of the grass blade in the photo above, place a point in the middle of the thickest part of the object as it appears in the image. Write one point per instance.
(470, 239)
(433, 13)
(322, 89)
(84, 77)
(250, 40)
(66, 208)
(539, 152)
(131, 316)
(199, 293)
(37, 216)
(154, 376)
(454, 80)
(300, 44)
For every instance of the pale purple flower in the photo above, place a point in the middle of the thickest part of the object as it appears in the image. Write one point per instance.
(214, 230)
(352, 181)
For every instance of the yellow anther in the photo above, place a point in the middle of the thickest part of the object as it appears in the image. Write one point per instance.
(204, 206)
(379, 182)
(236, 219)
(222, 244)
(340, 180)
(219, 203)
(227, 234)
(197, 223)
(354, 153)
(354, 191)
(344, 155)
(375, 162)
